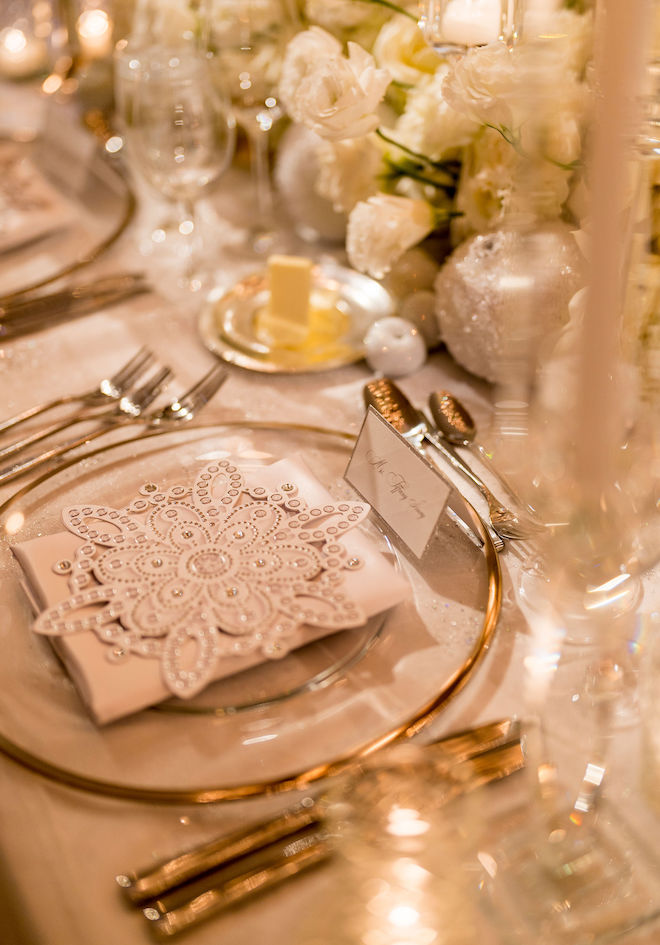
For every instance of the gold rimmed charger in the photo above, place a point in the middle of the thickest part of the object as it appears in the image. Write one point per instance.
(101, 201)
(300, 719)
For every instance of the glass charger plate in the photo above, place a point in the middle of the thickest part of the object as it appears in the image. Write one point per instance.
(282, 725)
(75, 184)
(229, 327)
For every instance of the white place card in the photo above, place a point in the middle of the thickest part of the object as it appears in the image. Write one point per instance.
(396, 480)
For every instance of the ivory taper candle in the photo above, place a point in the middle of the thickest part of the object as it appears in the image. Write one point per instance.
(620, 45)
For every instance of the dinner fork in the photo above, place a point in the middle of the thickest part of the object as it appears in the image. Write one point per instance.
(108, 391)
(132, 410)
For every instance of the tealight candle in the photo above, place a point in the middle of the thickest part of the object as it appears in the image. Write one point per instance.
(95, 33)
(472, 22)
(21, 55)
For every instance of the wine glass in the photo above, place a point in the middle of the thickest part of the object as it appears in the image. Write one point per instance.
(182, 136)
(246, 40)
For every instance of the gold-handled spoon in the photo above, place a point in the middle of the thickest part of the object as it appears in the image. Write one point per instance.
(454, 422)
(390, 401)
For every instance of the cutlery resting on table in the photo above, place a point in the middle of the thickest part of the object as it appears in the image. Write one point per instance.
(202, 882)
(22, 316)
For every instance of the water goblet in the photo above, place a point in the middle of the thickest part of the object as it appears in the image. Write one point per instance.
(181, 139)
(246, 40)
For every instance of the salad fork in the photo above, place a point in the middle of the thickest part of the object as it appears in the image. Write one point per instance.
(132, 410)
(108, 391)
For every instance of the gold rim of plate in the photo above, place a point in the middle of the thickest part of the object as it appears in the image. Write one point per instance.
(295, 780)
(228, 323)
(101, 168)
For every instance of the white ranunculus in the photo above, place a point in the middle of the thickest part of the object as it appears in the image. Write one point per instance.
(429, 125)
(382, 228)
(347, 171)
(335, 96)
(401, 48)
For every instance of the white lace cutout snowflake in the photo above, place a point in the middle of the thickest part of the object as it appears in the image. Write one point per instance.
(201, 572)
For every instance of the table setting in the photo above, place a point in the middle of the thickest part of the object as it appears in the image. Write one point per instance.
(329, 476)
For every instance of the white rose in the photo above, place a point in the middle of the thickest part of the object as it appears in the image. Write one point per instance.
(382, 228)
(429, 125)
(485, 85)
(347, 171)
(335, 96)
(303, 53)
(495, 182)
(401, 48)
(561, 124)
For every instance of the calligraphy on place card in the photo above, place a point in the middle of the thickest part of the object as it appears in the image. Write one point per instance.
(397, 482)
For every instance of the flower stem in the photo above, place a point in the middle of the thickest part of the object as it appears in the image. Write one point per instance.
(440, 165)
(449, 188)
(514, 141)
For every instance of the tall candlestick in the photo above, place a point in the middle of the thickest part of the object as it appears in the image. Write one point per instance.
(620, 43)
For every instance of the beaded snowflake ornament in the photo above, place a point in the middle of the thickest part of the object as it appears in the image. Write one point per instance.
(199, 572)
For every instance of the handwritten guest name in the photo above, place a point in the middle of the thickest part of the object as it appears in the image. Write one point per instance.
(397, 482)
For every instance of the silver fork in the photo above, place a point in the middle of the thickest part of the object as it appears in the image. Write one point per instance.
(108, 391)
(132, 410)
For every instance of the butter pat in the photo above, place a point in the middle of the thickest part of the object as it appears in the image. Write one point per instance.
(290, 286)
(286, 318)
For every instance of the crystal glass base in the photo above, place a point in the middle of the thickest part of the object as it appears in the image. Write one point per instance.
(577, 884)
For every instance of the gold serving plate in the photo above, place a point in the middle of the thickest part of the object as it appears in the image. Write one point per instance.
(344, 303)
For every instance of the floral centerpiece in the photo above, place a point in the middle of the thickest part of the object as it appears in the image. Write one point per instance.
(418, 149)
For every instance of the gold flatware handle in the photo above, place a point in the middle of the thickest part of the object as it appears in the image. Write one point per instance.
(310, 849)
(213, 901)
(140, 887)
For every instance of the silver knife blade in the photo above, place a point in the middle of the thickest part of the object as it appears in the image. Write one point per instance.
(21, 316)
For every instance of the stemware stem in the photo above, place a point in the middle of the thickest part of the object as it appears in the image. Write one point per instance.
(190, 245)
(258, 140)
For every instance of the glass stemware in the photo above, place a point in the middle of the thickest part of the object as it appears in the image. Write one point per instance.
(246, 40)
(181, 138)
(453, 26)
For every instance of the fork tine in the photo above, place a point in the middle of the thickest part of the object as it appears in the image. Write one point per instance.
(203, 389)
(126, 375)
(151, 388)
